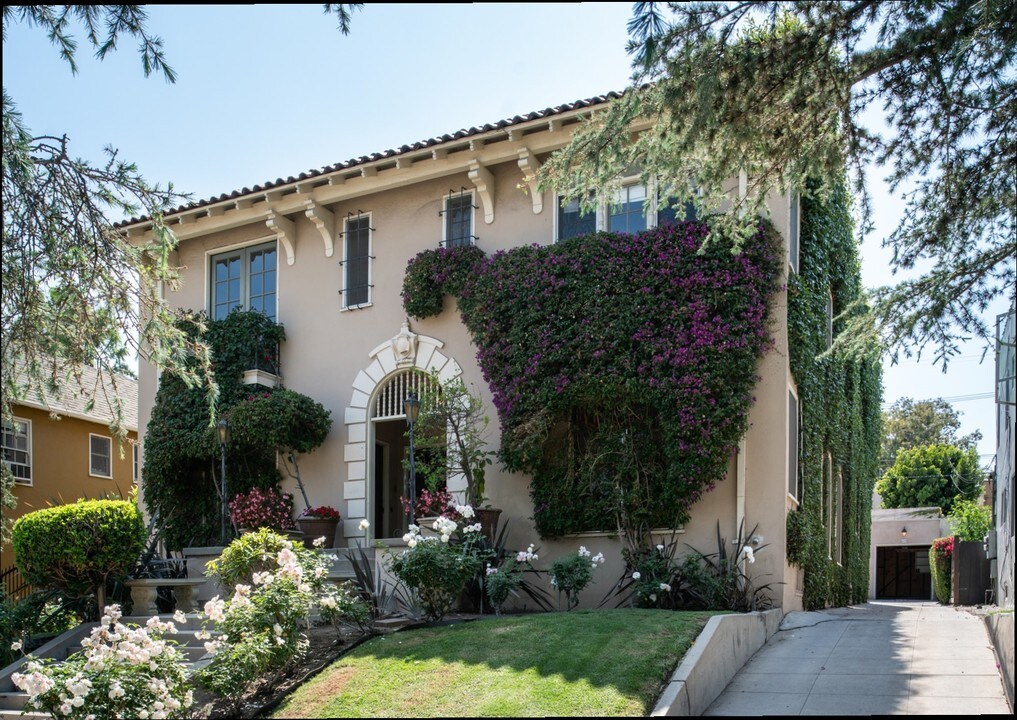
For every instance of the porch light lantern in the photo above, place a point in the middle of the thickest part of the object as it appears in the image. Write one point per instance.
(222, 430)
(904, 534)
(411, 407)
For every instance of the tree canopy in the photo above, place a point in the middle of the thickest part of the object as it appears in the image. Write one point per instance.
(76, 291)
(931, 476)
(778, 90)
(911, 423)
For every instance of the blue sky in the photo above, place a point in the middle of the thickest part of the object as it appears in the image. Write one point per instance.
(270, 91)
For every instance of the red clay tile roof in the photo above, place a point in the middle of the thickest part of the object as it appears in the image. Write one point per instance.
(364, 159)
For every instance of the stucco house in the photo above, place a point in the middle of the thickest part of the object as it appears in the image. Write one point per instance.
(325, 254)
(60, 449)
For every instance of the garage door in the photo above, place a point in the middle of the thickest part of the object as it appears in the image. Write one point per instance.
(902, 573)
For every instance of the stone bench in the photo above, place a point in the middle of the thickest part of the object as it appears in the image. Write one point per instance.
(145, 590)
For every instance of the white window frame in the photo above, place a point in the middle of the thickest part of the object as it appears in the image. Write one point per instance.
(649, 213)
(556, 225)
(31, 472)
(344, 305)
(91, 468)
(137, 461)
(245, 283)
(795, 496)
(794, 231)
(473, 218)
(603, 211)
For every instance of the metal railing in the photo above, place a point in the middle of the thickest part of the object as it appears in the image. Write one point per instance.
(15, 586)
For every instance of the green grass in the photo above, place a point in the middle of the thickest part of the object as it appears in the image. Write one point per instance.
(606, 662)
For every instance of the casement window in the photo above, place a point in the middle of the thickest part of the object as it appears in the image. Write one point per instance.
(794, 226)
(244, 278)
(357, 262)
(573, 222)
(676, 211)
(137, 467)
(627, 212)
(792, 445)
(458, 216)
(100, 456)
(17, 449)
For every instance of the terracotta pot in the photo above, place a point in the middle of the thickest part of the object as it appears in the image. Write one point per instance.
(314, 528)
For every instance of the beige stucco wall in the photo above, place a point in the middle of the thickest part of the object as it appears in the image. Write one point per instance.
(328, 349)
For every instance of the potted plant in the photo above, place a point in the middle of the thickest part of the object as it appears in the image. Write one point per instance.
(453, 427)
(262, 508)
(319, 522)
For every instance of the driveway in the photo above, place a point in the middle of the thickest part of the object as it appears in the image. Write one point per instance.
(880, 658)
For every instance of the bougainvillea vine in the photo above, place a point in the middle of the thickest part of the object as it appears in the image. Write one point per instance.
(622, 366)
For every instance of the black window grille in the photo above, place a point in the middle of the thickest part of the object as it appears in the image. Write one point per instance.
(458, 214)
(357, 263)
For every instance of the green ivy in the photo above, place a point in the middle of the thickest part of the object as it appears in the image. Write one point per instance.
(839, 398)
(181, 451)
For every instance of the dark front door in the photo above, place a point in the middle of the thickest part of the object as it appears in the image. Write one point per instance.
(902, 573)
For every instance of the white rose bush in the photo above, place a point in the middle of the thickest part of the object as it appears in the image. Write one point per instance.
(123, 671)
(275, 587)
(571, 574)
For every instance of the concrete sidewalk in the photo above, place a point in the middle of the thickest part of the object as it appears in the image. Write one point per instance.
(880, 658)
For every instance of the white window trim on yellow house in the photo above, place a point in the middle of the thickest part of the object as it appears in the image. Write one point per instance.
(27, 424)
(92, 471)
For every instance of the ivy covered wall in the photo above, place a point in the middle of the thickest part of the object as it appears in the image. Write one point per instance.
(181, 451)
(839, 399)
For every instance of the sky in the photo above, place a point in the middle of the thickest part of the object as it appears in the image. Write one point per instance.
(267, 91)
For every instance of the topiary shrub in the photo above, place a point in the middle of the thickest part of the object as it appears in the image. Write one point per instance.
(77, 548)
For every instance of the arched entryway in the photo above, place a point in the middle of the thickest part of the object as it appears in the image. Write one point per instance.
(387, 437)
(373, 459)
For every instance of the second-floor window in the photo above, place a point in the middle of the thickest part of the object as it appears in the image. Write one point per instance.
(458, 220)
(244, 278)
(627, 213)
(17, 449)
(572, 221)
(357, 262)
(100, 456)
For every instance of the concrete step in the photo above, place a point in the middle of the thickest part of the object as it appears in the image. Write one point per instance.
(21, 714)
(14, 700)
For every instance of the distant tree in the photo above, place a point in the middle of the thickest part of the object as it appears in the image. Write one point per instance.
(75, 290)
(931, 476)
(909, 423)
(778, 90)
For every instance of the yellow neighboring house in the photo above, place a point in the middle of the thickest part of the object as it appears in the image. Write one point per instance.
(60, 451)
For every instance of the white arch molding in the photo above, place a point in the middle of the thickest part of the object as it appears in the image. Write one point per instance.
(404, 351)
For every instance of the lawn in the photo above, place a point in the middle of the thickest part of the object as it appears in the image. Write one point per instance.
(605, 662)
